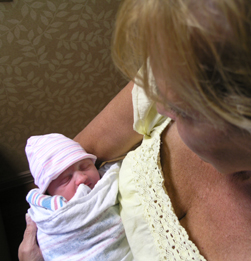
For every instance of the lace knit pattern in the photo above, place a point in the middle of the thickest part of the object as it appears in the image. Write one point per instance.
(171, 239)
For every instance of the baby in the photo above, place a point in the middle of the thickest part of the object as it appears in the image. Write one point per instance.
(75, 206)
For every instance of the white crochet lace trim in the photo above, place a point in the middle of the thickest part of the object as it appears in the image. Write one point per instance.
(170, 237)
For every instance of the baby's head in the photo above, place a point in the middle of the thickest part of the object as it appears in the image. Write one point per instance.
(59, 164)
(81, 172)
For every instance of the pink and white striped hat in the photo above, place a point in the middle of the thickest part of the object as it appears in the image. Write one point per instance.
(50, 155)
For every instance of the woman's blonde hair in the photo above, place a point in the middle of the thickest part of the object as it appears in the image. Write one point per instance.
(203, 45)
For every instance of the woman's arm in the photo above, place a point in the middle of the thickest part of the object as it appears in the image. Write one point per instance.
(110, 134)
(29, 249)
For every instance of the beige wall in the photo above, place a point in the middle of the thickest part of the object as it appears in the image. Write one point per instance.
(55, 67)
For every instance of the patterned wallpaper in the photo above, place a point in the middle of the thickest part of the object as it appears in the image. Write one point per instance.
(55, 67)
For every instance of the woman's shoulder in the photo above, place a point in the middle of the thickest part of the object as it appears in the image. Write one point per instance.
(146, 117)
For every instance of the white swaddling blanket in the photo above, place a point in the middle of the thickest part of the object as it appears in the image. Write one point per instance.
(88, 227)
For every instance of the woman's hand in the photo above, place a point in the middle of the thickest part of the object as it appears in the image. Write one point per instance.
(29, 249)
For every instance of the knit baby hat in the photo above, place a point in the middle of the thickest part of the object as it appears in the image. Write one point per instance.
(50, 155)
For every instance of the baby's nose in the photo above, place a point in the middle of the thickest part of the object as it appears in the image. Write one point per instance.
(81, 178)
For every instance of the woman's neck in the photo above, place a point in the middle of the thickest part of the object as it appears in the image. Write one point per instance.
(214, 208)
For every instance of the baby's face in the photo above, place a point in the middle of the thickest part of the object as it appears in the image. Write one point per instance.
(66, 184)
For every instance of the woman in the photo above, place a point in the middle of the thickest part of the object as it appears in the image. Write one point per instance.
(192, 201)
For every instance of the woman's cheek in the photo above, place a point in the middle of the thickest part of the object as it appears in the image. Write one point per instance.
(163, 111)
(193, 139)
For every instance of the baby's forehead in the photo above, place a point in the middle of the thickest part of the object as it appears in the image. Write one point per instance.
(83, 161)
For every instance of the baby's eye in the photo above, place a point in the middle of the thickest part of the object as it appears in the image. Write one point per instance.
(83, 167)
(65, 180)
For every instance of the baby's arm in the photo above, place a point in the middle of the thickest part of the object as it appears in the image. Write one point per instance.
(34, 198)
